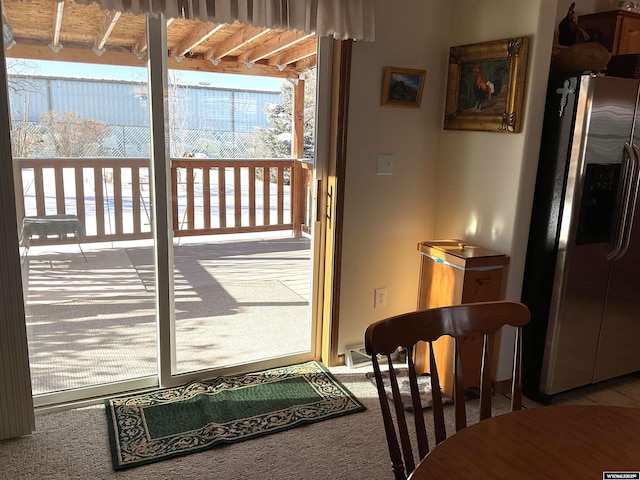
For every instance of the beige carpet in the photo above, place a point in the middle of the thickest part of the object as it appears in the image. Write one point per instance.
(73, 445)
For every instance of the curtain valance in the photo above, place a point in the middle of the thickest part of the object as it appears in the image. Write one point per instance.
(340, 19)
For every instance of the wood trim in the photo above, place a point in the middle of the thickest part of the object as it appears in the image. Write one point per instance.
(16, 403)
(342, 60)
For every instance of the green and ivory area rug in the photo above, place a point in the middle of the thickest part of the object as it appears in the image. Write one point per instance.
(154, 426)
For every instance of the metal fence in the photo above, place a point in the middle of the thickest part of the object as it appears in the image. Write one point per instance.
(36, 140)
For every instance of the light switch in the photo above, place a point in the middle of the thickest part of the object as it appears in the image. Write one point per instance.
(384, 164)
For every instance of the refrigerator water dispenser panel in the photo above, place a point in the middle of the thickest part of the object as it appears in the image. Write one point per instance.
(598, 206)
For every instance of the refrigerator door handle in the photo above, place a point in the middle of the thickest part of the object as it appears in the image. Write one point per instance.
(629, 174)
(635, 187)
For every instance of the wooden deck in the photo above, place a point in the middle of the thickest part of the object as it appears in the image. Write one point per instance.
(92, 322)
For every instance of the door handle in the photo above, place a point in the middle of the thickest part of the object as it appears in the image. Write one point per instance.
(329, 204)
(628, 174)
(318, 198)
(635, 186)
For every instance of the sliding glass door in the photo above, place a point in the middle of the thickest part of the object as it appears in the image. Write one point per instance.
(161, 240)
(83, 199)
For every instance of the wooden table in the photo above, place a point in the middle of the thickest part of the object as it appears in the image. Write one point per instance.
(555, 442)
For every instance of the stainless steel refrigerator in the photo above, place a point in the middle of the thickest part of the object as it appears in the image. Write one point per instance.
(582, 272)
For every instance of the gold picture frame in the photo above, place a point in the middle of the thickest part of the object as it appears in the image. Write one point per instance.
(485, 86)
(402, 87)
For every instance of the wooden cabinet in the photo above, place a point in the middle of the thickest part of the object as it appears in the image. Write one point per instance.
(617, 30)
(454, 272)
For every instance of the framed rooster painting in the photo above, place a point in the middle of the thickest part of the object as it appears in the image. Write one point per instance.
(485, 87)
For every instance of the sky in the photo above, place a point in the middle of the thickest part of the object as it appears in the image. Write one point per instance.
(112, 72)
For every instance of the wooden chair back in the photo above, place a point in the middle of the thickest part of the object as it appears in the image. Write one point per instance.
(404, 331)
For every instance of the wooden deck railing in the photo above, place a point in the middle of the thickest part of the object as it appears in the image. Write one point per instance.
(112, 196)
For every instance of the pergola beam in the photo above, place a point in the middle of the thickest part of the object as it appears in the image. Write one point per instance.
(120, 56)
(275, 45)
(141, 43)
(57, 25)
(106, 28)
(298, 119)
(294, 55)
(195, 38)
(234, 42)
(310, 62)
(90, 31)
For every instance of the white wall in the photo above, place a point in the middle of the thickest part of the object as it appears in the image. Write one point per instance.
(583, 7)
(448, 184)
(480, 173)
(489, 178)
(386, 216)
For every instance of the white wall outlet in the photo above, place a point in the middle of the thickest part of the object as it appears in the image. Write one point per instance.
(384, 164)
(380, 298)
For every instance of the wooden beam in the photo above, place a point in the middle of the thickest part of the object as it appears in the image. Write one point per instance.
(106, 28)
(234, 42)
(275, 45)
(298, 119)
(309, 62)
(141, 43)
(57, 24)
(231, 66)
(72, 53)
(196, 37)
(294, 54)
(120, 56)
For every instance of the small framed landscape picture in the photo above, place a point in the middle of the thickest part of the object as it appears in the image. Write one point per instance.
(402, 87)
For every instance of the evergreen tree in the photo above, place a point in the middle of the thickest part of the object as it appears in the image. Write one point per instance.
(276, 140)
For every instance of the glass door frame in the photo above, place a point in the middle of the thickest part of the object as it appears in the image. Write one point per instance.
(163, 238)
(166, 312)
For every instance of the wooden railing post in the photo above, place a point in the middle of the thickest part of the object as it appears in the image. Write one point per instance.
(297, 185)
(19, 189)
(298, 120)
(297, 198)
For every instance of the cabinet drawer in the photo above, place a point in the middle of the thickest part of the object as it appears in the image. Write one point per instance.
(482, 285)
(617, 30)
(629, 38)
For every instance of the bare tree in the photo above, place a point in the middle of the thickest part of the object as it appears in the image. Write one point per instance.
(22, 139)
(72, 135)
(22, 84)
(179, 115)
